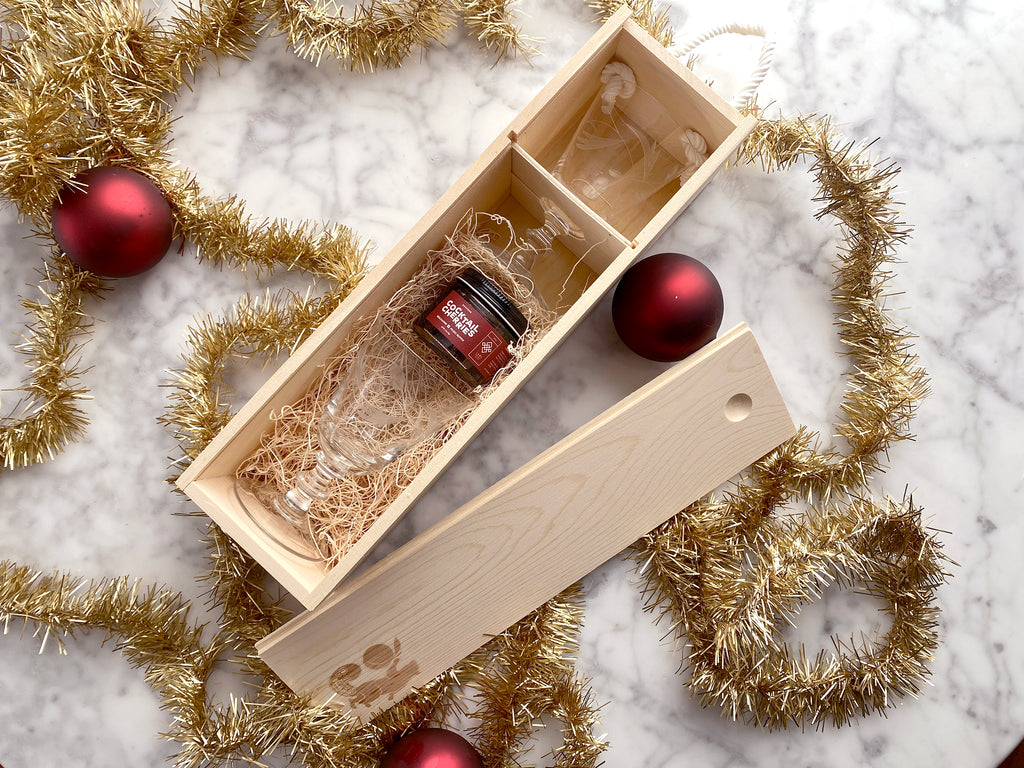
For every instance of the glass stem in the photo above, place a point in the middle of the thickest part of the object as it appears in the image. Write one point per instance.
(309, 485)
(540, 238)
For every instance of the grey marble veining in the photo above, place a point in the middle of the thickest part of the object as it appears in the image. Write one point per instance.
(941, 85)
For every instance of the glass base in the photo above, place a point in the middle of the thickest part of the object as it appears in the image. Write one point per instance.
(265, 506)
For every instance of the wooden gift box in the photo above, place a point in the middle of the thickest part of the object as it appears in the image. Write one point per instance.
(509, 178)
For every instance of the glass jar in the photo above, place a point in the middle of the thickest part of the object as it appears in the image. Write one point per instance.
(473, 327)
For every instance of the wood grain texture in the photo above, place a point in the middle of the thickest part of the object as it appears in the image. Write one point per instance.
(534, 533)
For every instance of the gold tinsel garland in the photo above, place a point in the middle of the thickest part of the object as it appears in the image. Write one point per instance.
(645, 12)
(523, 674)
(51, 397)
(729, 573)
(85, 84)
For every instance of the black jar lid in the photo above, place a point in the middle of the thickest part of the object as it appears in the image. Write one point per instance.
(494, 299)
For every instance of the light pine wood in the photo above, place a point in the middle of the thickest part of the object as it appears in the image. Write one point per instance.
(508, 178)
(542, 528)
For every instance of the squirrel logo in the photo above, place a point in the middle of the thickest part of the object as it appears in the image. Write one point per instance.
(393, 680)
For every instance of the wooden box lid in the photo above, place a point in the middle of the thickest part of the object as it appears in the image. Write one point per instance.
(442, 595)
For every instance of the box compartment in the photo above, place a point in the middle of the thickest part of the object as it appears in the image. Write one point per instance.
(669, 98)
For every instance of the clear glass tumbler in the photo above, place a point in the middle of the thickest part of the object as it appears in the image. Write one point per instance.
(390, 400)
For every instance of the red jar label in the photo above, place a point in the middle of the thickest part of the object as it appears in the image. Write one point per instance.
(470, 333)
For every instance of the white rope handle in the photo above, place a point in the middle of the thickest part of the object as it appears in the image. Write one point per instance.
(764, 61)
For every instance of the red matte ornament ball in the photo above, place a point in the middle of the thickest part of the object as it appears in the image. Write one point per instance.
(667, 306)
(432, 748)
(113, 221)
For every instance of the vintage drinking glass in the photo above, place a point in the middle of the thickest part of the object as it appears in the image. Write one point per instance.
(389, 400)
(625, 150)
(522, 256)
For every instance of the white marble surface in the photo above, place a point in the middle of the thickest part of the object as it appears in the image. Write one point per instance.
(940, 84)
